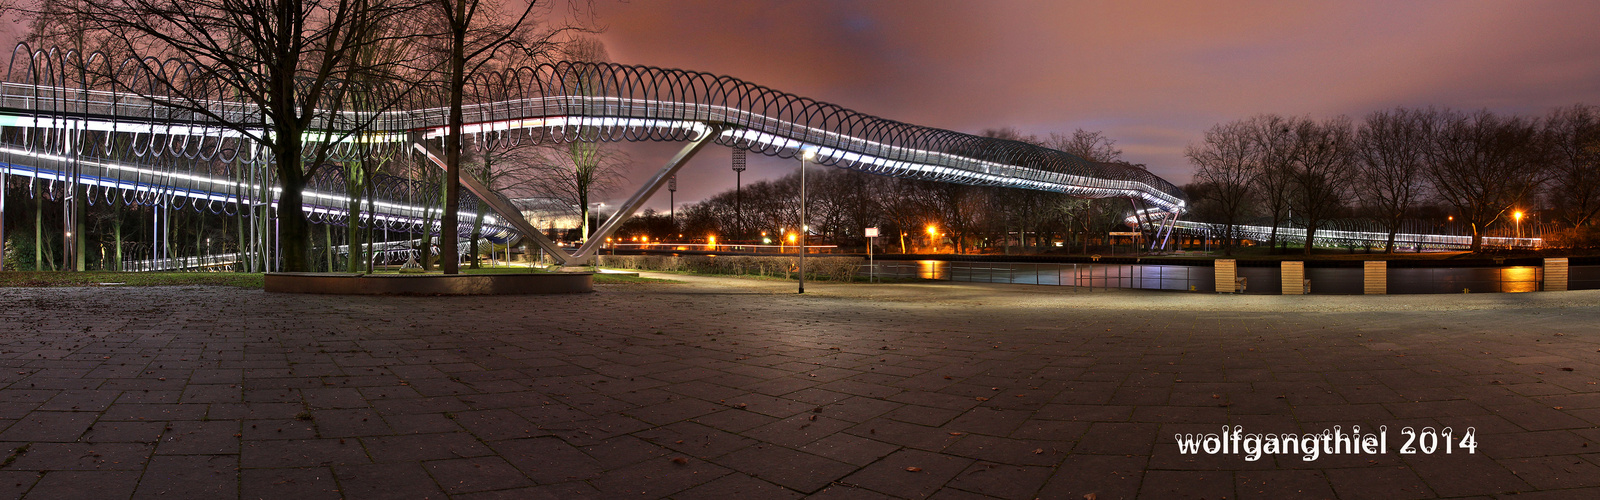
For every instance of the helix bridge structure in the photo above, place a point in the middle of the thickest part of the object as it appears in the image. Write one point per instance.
(163, 134)
(1333, 234)
(168, 134)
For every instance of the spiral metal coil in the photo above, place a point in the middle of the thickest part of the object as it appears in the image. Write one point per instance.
(115, 122)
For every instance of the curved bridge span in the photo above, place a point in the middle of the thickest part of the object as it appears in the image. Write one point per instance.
(57, 125)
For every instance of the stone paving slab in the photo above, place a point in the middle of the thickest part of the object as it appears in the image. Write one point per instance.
(723, 388)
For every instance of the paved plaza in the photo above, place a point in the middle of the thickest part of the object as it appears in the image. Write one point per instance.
(725, 388)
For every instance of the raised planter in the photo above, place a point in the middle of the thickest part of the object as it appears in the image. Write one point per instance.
(429, 284)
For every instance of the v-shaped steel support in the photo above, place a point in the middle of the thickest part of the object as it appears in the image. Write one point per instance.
(585, 253)
(500, 206)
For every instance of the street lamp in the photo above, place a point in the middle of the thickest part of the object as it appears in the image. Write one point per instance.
(805, 225)
(738, 198)
(1518, 216)
(672, 203)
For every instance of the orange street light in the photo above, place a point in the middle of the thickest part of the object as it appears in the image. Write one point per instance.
(1518, 216)
(933, 230)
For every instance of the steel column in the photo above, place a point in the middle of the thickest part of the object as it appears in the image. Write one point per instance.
(586, 252)
(510, 213)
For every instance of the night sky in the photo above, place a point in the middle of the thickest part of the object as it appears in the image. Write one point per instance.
(1151, 75)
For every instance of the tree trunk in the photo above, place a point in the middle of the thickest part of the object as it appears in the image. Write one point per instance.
(38, 231)
(452, 145)
(116, 235)
(80, 238)
(354, 180)
(294, 234)
(1227, 239)
(425, 251)
(477, 232)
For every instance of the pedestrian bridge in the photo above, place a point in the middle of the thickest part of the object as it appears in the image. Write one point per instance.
(107, 125)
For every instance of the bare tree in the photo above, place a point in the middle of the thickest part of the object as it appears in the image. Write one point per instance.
(1086, 216)
(1574, 139)
(554, 172)
(476, 32)
(586, 157)
(1483, 164)
(1089, 145)
(907, 206)
(1389, 164)
(1225, 160)
(285, 58)
(1320, 172)
(1273, 155)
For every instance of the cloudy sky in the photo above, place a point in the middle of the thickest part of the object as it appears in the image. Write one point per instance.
(1151, 75)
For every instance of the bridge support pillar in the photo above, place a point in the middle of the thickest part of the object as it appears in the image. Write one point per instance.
(498, 204)
(586, 253)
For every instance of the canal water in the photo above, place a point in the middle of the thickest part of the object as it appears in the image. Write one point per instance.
(1259, 280)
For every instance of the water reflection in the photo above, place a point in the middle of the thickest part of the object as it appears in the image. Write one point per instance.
(1519, 279)
(1262, 280)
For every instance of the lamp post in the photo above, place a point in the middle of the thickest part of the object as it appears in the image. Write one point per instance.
(738, 198)
(805, 226)
(1518, 216)
(672, 203)
(584, 212)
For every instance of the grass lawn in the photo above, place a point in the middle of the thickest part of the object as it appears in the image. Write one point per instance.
(110, 278)
(242, 280)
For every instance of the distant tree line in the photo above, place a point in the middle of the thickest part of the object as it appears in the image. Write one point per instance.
(1480, 168)
(912, 215)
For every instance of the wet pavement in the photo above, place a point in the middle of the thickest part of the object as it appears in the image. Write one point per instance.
(724, 388)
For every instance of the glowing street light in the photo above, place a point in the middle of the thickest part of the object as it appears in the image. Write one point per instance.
(1518, 216)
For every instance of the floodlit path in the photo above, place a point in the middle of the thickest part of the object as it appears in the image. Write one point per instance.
(722, 388)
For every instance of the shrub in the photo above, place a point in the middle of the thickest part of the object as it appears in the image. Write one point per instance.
(1577, 238)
